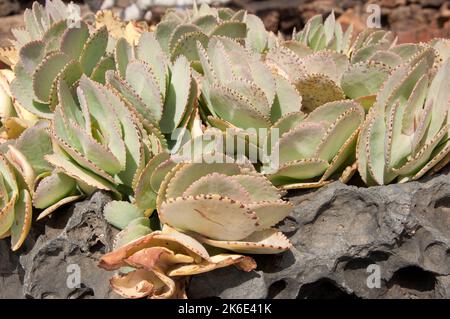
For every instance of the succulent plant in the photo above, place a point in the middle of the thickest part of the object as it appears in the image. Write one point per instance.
(321, 35)
(178, 32)
(54, 49)
(304, 105)
(198, 204)
(105, 104)
(30, 181)
(406, 131)
(161, 94)
(159, 264)
(97, 139)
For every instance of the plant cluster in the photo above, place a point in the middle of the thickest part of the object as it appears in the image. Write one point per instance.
(101, 104)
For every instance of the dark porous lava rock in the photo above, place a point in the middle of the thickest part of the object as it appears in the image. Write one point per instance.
(351, 242)
(57, 252)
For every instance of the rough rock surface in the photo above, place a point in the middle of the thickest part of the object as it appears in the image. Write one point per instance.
(338, 231)
(69, 240)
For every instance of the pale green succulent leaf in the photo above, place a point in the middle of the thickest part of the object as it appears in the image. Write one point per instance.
(218, 184)
(265, 190)
(120, 213)
(31, 54)
(46, 74)
(299, 143)
(235, 108)
(268, 241)
(143, 81)
(145, 196)
(270, 212)
(123, 54)
(104, 65)
(303, 169)
(34, 143)
(177, 96)
(231, 29)
(93, 50)
(22, 219)
(52, 189)
(287, 99)
(187, 46)
(204, 215)
(150, 51)
(73, 170)
(73, 40)
(22, 90)
(186, 174)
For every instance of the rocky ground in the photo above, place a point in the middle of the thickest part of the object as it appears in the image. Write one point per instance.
(413, 20)
(343, 237)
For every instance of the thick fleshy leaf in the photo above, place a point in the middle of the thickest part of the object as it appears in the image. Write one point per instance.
(93, 50)
(217, 261)
(131, 233)
(187, 46)
(46, 74)
(22, 220)
(231, 29)
(145, 196)
(218, 184)
(268, 241)
(105, 64)
(177, 96)
(299, 143)
(363, 79)
(287, 99)
(150, 51)
(175, 241)
(265, 190)
(123, 54)
(316, 90)
(136, 284)
(31, 55)
(142, 79)
(203, 214)
(270, 212)
(120, 214)
(64, 201)
(77, 172)
(22, 165)
(34, 143)
(73, 40)
(51, 189)
(303, 169)
(339, 132)
(22, 90)
(235, 108)
(186, 174)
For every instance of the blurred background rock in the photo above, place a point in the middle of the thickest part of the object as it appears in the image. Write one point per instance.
(412, 20)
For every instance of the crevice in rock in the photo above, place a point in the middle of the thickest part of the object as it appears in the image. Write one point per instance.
(323, 288)
(413, 278)
(275, 288)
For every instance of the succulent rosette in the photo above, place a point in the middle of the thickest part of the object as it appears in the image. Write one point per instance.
(53, 47)
(317, 129)
(205, 211)
(406, 131)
